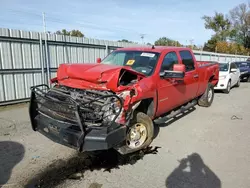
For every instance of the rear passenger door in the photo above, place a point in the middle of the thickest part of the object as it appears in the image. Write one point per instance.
(191, 79)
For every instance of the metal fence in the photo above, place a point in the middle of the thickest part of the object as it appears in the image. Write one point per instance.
(210, 56)
(29, 58)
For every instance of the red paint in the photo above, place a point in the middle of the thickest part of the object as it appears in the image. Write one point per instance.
(166, 93)
(179, 67)
(93, 76)
(98, 60)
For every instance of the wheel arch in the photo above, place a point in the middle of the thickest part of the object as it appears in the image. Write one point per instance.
(212, 80)
(147, 106)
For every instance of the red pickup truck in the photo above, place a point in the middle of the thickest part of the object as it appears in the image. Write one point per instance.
(113, 103)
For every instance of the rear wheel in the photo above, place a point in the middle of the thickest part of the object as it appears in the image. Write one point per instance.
(248, 79)
(227, 90)
(139, 135)
(207, 98)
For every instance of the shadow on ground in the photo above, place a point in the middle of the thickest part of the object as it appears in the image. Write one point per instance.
(75, 167)
(11, 153)
(193, 173)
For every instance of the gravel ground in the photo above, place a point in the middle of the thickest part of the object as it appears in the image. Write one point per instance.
(207, 147)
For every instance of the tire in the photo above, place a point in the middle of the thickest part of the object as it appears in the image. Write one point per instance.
(140, 118)
(238, 83)
(207, 98)
(248, 79)
(227, 91)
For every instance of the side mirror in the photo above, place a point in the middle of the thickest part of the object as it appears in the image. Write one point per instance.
(178, 72)
(233, 70)
(98, 60)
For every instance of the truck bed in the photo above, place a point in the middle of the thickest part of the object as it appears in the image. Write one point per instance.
(207, 70)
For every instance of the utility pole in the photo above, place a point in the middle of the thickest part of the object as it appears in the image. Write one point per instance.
(191, 42)
(46, 50)
(44, 23)
(142, 37)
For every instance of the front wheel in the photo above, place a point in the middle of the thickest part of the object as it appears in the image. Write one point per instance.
(139, 134)
(227, 90)
(238, 83)
(207, 98)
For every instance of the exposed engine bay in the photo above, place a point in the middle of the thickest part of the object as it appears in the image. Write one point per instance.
(127, 78)
(95, 107)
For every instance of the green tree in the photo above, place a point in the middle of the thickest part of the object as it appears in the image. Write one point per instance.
(164, 41)
(75, 33)
(240, 18)
(210, 45)
(220, 25)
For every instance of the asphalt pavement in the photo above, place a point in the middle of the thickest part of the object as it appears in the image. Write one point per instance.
(206, 147)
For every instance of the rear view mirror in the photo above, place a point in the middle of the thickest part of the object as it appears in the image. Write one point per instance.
(98, 60)
(177, 72)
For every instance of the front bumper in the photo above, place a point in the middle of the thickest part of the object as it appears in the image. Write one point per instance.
(77, 134)
(244, 75)
(221, 85)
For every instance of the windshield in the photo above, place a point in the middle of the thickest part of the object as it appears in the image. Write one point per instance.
(223, 67)
(243, 64)
(140, 61)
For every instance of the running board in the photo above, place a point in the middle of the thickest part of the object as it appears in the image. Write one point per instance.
(173, 114)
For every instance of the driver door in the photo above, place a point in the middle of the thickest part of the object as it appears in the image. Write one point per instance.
(170, 92)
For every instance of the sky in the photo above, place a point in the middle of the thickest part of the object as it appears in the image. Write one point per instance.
(117, 19)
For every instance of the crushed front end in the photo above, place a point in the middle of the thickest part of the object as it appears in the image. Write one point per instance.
(85, 120)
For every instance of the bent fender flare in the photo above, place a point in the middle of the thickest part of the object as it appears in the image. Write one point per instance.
(131, 115)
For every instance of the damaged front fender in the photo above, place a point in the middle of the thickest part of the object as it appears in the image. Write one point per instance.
(129, 106)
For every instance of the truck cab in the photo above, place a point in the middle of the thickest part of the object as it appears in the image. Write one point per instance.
(157, 63)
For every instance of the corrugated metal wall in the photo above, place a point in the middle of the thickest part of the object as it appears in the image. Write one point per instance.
(25, 56)
(210, 56)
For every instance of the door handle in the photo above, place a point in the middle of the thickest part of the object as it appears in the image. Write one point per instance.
(196, 76)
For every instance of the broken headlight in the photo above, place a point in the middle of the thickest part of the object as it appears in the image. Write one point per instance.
(111, 109)
(115, 105)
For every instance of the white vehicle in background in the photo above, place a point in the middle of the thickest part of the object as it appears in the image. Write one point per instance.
(229, 76)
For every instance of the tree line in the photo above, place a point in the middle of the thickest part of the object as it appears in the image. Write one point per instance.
(231, 31)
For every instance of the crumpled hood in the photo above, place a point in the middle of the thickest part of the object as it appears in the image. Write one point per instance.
(93, 73)
(87, 72)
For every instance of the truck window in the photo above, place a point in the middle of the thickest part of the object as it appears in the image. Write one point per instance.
(187, 60)
(168, 62)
